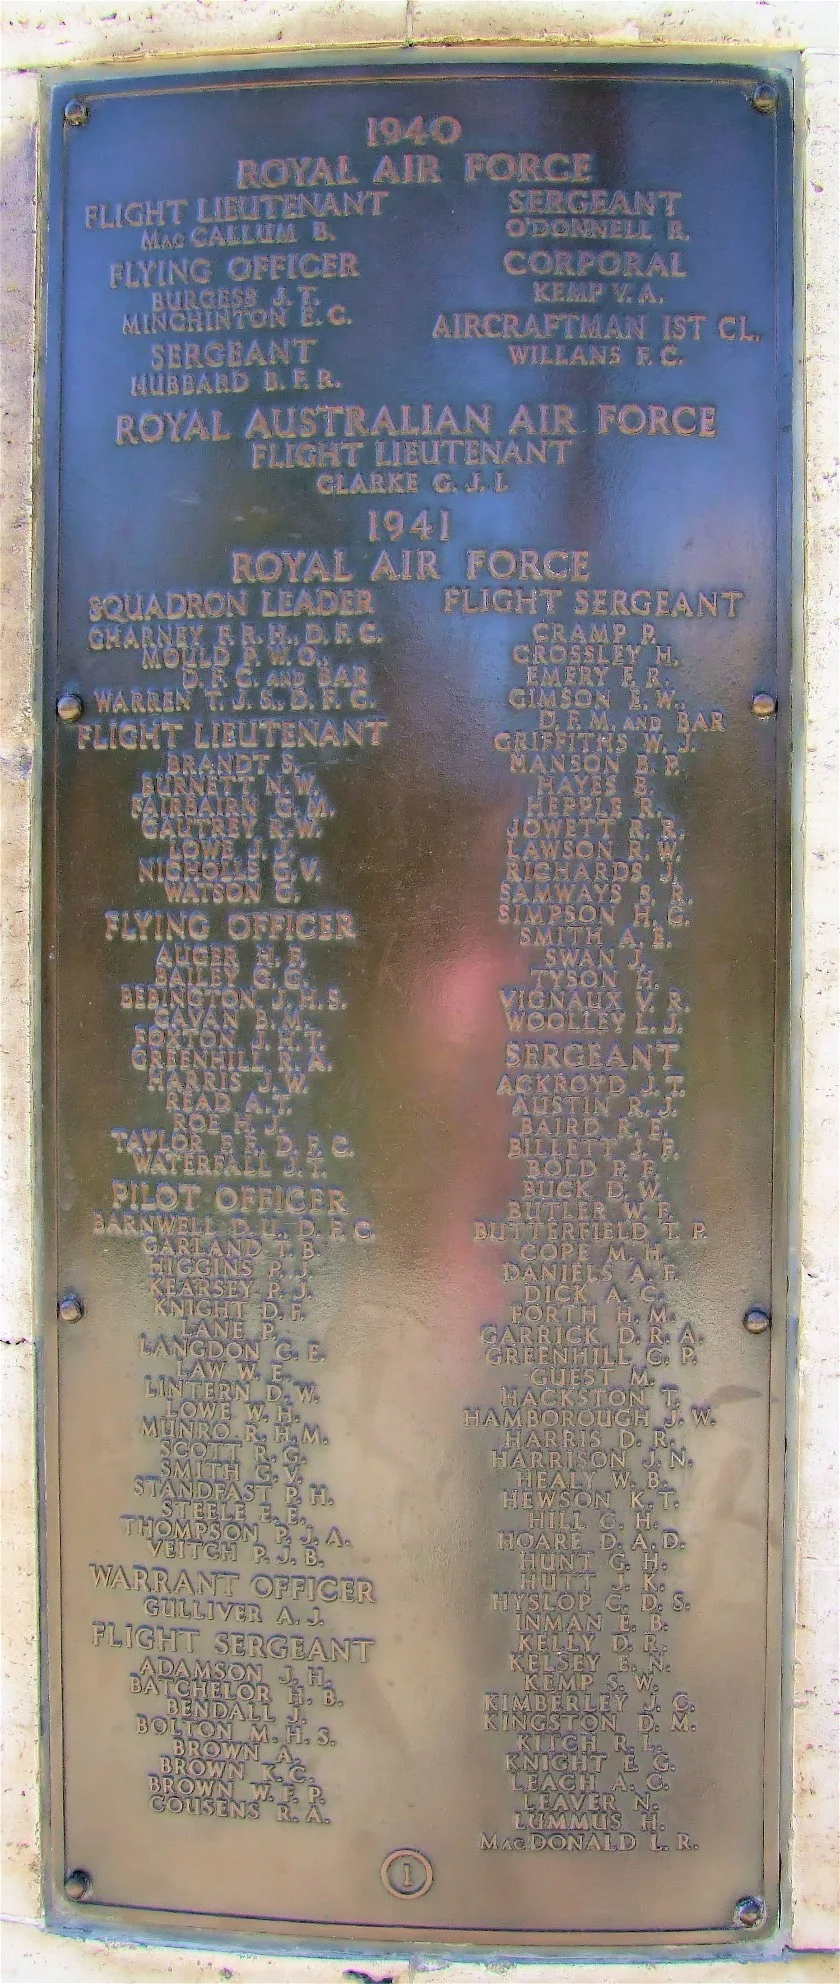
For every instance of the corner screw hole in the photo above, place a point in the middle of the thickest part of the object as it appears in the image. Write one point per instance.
(749, 1913)
(78, 1885)
(69, 706)
(70, 1307)
(756, 1321)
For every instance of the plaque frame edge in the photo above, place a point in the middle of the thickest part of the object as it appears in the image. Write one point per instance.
(114, 1923)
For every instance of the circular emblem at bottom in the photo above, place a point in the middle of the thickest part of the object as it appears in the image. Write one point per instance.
(407, 1873)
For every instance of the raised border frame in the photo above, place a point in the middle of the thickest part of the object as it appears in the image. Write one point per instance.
(219, 1929)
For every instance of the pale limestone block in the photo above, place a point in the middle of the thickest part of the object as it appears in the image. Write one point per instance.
(18, 1528)
(52, 35)
(17, 268)
(30, 1953)
(82, 33)
(722, 24)
(19, 1759)
(815, 1689)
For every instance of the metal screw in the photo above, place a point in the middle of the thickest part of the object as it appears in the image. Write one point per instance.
(78, 1885)
(69, 706)
(764, 98)
(757, 1321)
(763, 704)
(70, 1307)
(76, 112)
(749, 1913)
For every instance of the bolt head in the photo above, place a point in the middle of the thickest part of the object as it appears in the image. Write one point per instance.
(70, 1307)
(763, 704)
(69, 706)
(78, 1885)
(749, 1913)
(76, 112)
(756, 1321)
(764, 99)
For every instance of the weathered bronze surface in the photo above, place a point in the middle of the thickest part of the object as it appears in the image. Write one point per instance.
(415, 703)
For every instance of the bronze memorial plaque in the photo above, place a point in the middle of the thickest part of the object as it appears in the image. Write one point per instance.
(417, 568)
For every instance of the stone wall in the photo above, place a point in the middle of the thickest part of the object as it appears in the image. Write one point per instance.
(79, 34)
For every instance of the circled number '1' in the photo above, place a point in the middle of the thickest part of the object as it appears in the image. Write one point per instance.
(407, 1873)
